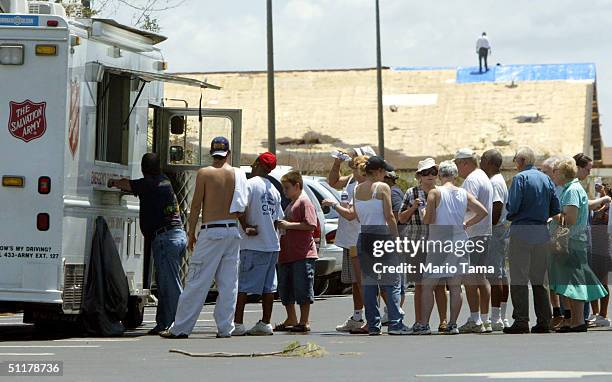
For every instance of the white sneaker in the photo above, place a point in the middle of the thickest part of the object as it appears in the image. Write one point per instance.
(471, 327)
(261, 329)
(498, 325)
(486, 325)
(506, 323)
(239, 330)
(349, 325)
(591, 318)
(602, 322)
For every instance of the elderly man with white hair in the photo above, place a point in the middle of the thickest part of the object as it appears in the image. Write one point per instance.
(531, 202)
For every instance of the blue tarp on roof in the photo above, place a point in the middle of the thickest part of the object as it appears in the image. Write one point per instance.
(423, 68)
(546, 72)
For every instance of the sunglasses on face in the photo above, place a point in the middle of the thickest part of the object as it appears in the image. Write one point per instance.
(430, 171)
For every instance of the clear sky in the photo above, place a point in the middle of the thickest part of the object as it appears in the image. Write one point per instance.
(215, 35)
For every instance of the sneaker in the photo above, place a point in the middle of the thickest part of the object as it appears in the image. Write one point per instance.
(452, 329)
(506, 323)
(591, 318)
(239, 330)
(420, 329)
(602, 322)
(169, 335)
(471, 327)
(488, 328)
(260, 329)
(400, 331)
(498, 325)
(224, 335)
(350, 325)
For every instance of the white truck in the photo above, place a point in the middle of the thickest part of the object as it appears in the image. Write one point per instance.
(81, 100)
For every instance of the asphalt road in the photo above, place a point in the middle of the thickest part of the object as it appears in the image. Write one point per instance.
(470, 357)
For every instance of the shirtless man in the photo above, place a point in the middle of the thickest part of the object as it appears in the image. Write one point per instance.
(216, 251)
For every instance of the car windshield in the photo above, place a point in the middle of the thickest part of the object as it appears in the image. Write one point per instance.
(321, 192)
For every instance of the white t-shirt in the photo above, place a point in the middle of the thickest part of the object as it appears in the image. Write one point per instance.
(482, 42)
(479, 185)
(263, 210)
(500, 194)
(348, 230)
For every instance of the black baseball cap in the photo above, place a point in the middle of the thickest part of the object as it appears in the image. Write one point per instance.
(219, 147)
(376, 163)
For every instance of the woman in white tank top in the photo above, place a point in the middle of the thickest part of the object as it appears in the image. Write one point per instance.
(445, 213)
(372, 207)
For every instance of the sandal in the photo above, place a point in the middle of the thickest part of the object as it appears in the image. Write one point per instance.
(299, 328)
(282, 328)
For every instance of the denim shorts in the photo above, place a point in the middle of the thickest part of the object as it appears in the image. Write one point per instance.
(296, 282)
(257, 272)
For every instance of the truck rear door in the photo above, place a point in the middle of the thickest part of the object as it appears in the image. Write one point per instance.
(34, 52)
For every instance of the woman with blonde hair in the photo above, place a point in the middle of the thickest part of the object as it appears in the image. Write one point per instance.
(373, 209)
(346, 238)
(569, 273)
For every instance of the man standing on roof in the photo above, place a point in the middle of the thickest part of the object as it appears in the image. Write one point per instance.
(483, 49)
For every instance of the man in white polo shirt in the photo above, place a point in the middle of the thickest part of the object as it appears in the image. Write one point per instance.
(477, 287)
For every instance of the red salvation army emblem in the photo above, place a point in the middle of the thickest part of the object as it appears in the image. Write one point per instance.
(27, 120)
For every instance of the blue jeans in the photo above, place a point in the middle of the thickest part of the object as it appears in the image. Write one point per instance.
(392, 286)
(168, 250)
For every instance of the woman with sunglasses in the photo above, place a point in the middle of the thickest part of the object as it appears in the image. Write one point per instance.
(446, 212)
(412, 214)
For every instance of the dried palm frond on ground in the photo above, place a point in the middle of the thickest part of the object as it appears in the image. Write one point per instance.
(293, 349)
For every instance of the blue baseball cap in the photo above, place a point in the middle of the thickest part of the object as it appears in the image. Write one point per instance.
(219, 147)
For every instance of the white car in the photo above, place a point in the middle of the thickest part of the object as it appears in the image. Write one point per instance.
(329, 264)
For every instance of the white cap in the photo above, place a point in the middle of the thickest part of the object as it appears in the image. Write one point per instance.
(464, 153)
(425, 164)
(365, 150)
(598, 181)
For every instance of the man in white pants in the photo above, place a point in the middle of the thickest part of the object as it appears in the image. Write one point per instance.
(221, 195)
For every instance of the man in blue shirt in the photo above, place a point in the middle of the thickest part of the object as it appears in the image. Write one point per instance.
(531, 202)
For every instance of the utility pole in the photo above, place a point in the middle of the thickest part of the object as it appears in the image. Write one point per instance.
(271, 108)
(381, 126)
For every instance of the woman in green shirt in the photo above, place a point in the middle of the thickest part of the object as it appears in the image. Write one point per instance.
(570, 275)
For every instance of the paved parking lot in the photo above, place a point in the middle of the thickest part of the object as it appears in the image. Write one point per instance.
(138, 357)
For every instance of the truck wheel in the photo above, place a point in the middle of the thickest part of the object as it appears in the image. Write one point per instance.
(135, 313)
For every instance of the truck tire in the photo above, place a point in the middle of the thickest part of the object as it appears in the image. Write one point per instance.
(135, 313)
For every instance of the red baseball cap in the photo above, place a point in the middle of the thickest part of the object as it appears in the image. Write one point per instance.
(268, 160)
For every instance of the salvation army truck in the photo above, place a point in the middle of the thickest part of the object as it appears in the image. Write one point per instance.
(81, 100)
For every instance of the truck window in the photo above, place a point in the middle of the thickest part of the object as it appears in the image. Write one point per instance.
(112, 110)
(195, 143)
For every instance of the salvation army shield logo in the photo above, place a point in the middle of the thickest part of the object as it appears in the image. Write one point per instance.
(27, 120)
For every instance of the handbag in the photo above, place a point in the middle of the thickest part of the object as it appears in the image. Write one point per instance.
(560, 242)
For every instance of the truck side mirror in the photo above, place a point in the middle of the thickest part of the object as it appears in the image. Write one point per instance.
(177, 154)
(177, 125)
(326, 210)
